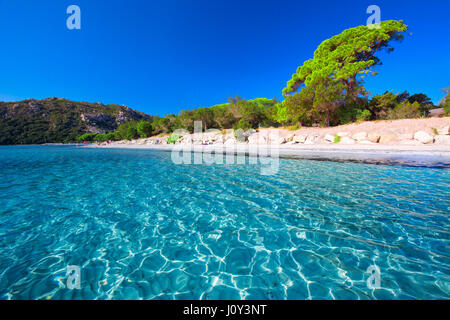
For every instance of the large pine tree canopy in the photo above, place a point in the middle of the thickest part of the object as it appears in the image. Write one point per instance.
(342, 58)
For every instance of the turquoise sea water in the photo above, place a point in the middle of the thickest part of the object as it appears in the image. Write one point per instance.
(141, 227)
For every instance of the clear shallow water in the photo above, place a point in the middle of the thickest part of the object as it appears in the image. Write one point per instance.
(141, 227)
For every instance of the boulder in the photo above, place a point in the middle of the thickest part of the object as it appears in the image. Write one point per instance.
(347, 140)
(442, 139)
(290, 137)
(309, 140)
(360, 136)
(230, 141)
(343, 134)
(329, 138)
(274, 138)
(387, 138)
(423, 137)
(262, 139)
(299, 138)
(282, 140)
(249, 132)
(253, 139)
(220, 139)
(439, 112)
(444, 131)
(257, 138)
(373, 137)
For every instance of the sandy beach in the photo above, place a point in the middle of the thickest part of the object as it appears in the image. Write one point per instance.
(412, 141)
(425, 155)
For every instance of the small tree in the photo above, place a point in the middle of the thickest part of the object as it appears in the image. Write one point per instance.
(445, 102)
(339, 65)
(405, 110)
(144, 128)
(425, 104)
(132, 133)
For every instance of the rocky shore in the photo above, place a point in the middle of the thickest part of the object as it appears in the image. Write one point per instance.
(415, 132)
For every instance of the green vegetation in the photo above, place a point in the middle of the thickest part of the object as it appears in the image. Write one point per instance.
(174, 138)
(331, 83)
(59, 120)
(445, 102)
(326, 90)
(238, 113)
(337, 139)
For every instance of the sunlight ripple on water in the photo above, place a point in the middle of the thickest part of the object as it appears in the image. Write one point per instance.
(141, 227)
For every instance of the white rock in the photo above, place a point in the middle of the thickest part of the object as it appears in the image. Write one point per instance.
(329, 138)
(343, 134)
(281, 140)
(309, 140)
(253, 139)
(444, 131)
(347, 140)
(262, 139)
(299, 138)
(442, 139)
(257, 138)
(274, 138)
(290, 137)
(230, 141)
(360, 136)
(423, 137)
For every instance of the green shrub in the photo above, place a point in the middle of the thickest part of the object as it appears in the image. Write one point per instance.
(132, 133)
(337, 139)
(405, 110)
(87, 137)
(363, 115)
(294, 127)
(446, 103)
(242, 124)
(174, 138)
(144, 128)
(101, 137)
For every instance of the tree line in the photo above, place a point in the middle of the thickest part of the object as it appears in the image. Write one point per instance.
(326, 90)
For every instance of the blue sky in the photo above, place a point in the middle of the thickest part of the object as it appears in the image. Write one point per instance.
(163, 56)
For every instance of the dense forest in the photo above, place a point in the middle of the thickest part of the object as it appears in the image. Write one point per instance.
(326, 90)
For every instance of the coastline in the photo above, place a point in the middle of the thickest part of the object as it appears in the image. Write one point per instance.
(414, 155)
(405, 141)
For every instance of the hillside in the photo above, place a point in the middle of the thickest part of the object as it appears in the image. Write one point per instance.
(59, 120)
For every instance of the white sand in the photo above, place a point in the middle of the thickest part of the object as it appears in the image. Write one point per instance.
(404, 148)
(414, 155)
